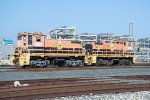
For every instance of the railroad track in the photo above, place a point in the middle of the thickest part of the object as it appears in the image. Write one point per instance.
(18, 69)
(66, 87)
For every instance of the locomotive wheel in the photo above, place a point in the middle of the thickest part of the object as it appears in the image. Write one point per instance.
(128, 62)
(110, 62)
(120, 62)
(100, 62)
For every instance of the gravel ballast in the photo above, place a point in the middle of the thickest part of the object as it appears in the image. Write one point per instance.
(143, 95)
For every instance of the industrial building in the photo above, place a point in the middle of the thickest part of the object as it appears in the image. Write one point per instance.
(142, 50)
(6, 50)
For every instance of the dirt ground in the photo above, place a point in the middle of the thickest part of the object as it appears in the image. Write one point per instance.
(51, 88)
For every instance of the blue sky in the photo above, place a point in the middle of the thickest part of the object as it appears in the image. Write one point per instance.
(92, 16)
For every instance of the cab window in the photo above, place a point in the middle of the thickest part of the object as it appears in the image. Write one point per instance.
(29, 39)
(125, 43)
(38, 39)
(19, 37)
